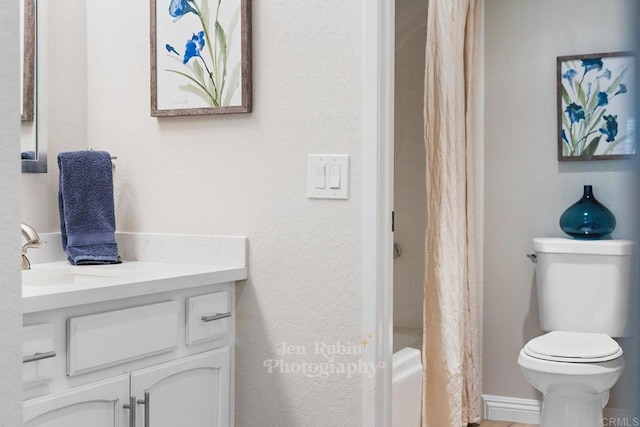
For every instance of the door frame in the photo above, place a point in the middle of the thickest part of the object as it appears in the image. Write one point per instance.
(377, 275)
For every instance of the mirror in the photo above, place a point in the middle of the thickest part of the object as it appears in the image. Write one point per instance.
(33, 136)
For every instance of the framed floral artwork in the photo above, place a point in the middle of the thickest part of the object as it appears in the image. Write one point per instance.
(200, 57)
(596, 106)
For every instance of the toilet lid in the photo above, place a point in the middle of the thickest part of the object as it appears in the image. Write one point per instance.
(578, 347)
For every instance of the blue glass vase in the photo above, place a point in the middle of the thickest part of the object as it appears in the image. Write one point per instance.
(588, 218)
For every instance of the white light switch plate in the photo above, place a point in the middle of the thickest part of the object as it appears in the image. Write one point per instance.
(336, 167)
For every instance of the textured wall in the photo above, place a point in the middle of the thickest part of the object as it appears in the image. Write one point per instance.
(66, 97)
(527, 189)
(242, 174)
(10, 294)
(246, 174)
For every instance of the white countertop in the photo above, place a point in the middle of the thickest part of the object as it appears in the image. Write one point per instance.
(153, 263)
(58, 284)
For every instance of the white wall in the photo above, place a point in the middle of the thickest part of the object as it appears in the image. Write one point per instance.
(246, 174)
(410, 202)
(66, 88)
(10, 293)
(527, 189)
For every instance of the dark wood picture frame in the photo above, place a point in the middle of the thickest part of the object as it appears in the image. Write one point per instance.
(596, 102)
(199, 81)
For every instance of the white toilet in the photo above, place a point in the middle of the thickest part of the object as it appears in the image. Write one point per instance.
(583, 290)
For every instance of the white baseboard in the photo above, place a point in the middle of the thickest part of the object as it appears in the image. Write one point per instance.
(512, 409)
(527, 411)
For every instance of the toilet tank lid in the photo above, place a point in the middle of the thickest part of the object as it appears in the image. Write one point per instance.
(561, 245)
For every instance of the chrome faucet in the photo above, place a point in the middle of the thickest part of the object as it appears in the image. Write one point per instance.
(33, 241)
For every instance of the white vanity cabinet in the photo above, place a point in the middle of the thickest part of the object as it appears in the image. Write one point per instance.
(159, 360)
(98, 404)
(193, 391)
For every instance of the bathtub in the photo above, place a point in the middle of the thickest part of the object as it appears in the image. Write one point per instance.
(407, 337)
(406, 398)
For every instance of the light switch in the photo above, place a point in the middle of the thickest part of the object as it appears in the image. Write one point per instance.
(334, 176)
(328, 176)
(320, 178)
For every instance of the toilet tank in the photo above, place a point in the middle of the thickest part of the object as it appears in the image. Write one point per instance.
(583, 285)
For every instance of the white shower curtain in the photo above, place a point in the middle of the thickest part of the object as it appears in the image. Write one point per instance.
(451, 350)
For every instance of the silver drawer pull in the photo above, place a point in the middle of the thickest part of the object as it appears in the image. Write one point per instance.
(218, 316)
(147, 408)
(38, 356)
(131, 406)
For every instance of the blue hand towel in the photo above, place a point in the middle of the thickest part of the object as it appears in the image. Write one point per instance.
(87, 217)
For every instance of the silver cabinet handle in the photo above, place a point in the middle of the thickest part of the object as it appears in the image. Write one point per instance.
(38, 356)
(218, 316)
(131, 406)
(147, 408)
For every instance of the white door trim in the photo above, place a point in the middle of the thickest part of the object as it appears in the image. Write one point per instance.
(377, 287)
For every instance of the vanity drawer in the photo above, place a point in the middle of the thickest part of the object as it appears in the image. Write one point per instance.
(208, 317)
(38, 354)
(107, 339)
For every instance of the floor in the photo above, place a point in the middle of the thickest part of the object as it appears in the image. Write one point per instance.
(504, 424)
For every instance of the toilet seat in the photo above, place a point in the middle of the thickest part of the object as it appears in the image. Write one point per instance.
(563, 369)
(573, 347)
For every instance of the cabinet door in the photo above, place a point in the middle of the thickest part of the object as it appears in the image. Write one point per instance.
(194, 391)
(98, 404)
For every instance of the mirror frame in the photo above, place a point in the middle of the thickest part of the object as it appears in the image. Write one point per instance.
(39, 165)
(28, 58)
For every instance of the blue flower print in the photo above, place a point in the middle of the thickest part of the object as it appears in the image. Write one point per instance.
(623, 89)
(204, 65)
(575, 112)
(190, 51)
(611, 127)
(591, 120)
(592, 64)
(179, 8)
(193, 46)
(171, 49)
(606, 74)
(603, 99)
(569, 75)
(200, 39)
